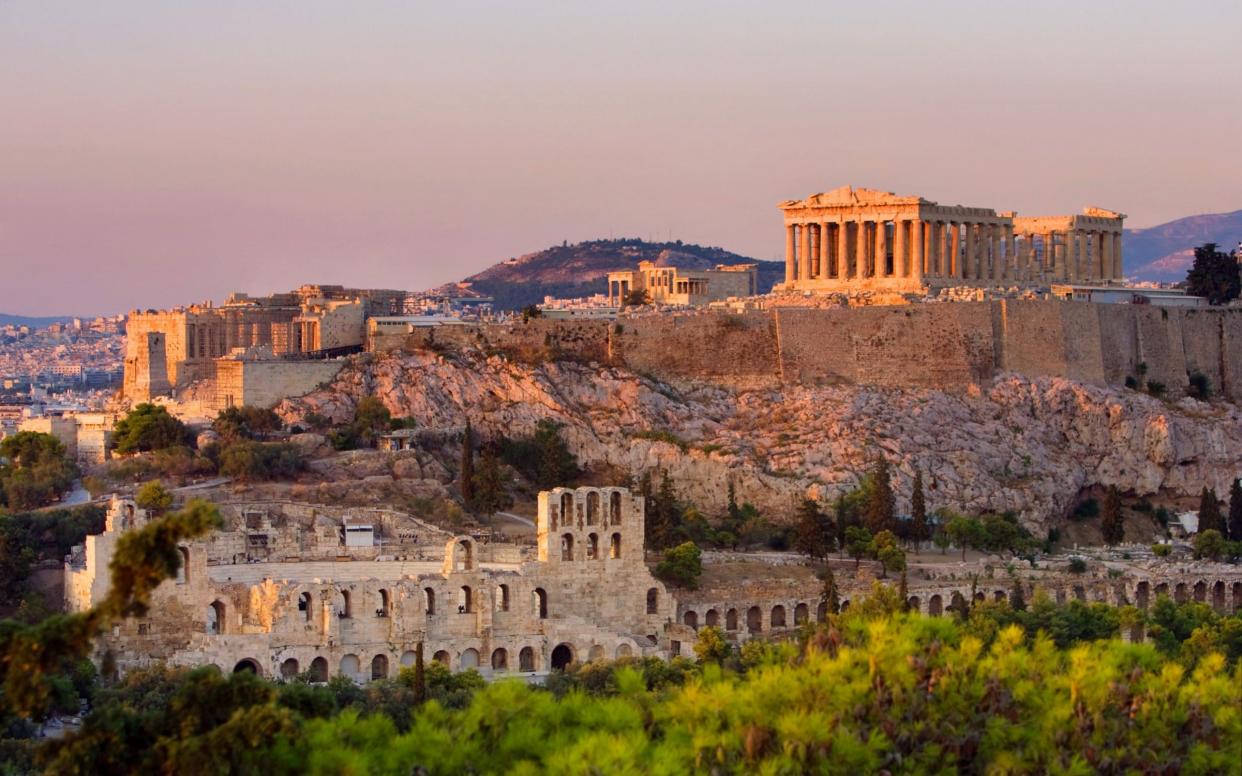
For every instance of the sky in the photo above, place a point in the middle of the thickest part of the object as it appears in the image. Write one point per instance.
(156, 153)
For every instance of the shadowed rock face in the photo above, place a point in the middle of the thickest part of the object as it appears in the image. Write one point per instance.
(1013, 443)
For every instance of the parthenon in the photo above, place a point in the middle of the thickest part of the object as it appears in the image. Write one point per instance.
(863, 239)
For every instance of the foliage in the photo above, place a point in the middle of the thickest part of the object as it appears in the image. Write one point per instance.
(1210, 544)
(858, 543)
(1210, 518)
(636, 298)
(712, 646)
(261, 461)
(920, 531)
(1214, 275)
(149, 427)
(543, 457)
(662, 435)
(245, 422)
(28, 538)
(1235, 511)
(530, 312)
(815, 535)
(1077, 565)
(1111, 523)
(488, 491)
(879, 507)
(170, 463)
(886, 551)
(372, 418)
(681, 565)
(34, 470)
(663, 515)
(153, 496)
(1161, 550)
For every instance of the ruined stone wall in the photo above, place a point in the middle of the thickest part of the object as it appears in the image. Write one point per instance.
(266, 383)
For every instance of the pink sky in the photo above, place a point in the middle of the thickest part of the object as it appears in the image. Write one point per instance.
(154, 153)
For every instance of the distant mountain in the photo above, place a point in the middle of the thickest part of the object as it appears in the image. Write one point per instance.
(582, 269)
(1165, 252)
(33, 321)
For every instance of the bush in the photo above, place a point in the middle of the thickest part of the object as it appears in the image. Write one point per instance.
(1155, 388)
(34, 470)
(1161, 550)
(259, 461)
(1077, 565)
(682, 565)
(149, 427)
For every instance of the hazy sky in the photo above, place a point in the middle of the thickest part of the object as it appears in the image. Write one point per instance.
(160, 152)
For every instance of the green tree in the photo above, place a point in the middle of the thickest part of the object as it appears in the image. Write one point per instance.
(663, 516)
(557, 465)
(919, 529)
(815, 535)
(246, 422)
(636, 298)
(830, 595)
(261, 461)
(711, 646)
(466, 475)
(530, 312)
(858, 543)
(966, 533)
(490, 484)
(682, 565)
(1111, 522)
(1210, 544)
(153, 496)
(1210, 518)
(371, 419)
(879, 510)
(889, 555)
(1234, 526)
(34, 470)
(1214, 275)
(149, 427)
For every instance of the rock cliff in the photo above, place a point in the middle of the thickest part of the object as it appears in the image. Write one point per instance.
(1012, 443)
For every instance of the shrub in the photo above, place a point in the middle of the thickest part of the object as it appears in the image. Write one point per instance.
(682, 565)
(1161, 550)
(1077, 565)
(1155, 388)
(149, 427)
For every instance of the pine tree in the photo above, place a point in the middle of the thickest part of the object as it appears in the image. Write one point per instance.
(1209, 512)
(1017, 601)
(903, 589)
(489, 483)
(662, 515)
(831, 596)
(814, 535)
(1111, 522)
(420, 675)
(879, 510)
(467, 466)
(918, 511)
(1235, 511)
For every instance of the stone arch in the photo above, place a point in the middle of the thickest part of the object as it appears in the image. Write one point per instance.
(465, 600)
(500, 659)
(289, 669)
(343, 604)
(801, 614)
(385, 604)
(1080, 592)
(614, 508)
(379, 667)
(596, 653)
(980, 596)
(592, 507)
(935, 605)
(441, 657)
(1237, 596)
(567, 547)
(1200, 591)
(624, 651)
(1060, 596)
(567, 508)
(540, 600)
(614, 546)
(731, 620)
(845, 604)
(1181, 593)
(217, 617)
(712, 618)
(526, 660)
(821, 611)
(319, 670)
(913, 604)
(502, 598)
(408, 658)
(350, 666)
(653, 600)
(1162, 589)
(248, 664)
(691, 618)
(999, 595)
(1119, 596)
(778, 616)
(957, 602)
(1142, 592)
(429, 598)
(562, 657)
(183, 568)
(459, 555)
(469, 659)
(1218, 596)
(306, 605)
(754, 620)
(592, 548)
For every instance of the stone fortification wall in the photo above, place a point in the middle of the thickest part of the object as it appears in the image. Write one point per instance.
(266, 383)
(935, 345)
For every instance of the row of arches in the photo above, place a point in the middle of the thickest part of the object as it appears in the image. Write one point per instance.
(568, 509)
(592, 551)
(752, 619)
(467, 600)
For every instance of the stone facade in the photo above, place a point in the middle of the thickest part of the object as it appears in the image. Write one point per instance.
(860, 239)
(684, 287)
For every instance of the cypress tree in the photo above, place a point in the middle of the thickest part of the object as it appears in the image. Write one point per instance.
(420, 675)
(831, 596)
(467, 466)
(918, 511)
(813, 536)
(1235, 511)
(1209, 512)
(880, 509)
(903, 590)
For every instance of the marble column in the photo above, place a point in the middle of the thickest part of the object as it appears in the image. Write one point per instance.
(1011, 254)
(954, 269)
(900, 265)
(825, 249)
(968, 263)
(860, 250)
(933, 247)
(1119, 273)
(843, 249)
(915, 265)
(944, 248)
(994, 248)
(789, 253)
(812, 261)
(1069, 242)
(804, 252)
(1086, 270)
(881, 248)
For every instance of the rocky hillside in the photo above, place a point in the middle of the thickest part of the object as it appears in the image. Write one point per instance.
(1165, 252)
(582, 269)
(1013, 444)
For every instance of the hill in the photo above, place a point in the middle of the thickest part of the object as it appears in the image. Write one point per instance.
(582, 269)
(34, 322)
(1165, 252)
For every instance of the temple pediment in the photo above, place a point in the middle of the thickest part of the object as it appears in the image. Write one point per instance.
(848, 196)
(1100, 212)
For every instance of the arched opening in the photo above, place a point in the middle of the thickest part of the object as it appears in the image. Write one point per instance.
(469, 659)
(408, 658)
(712, 619)
(500, 660)
(957, 603)
(614, 508)
(305, 606)
(998, 595)
(691, 619)
(343, 604)
(385, 604)
(248, 665)
(1060, 596)
(980, 597)
(351, 666)
(319, 670)
(623, 651)
(845, 604)
(1218, 596)
(289, 669)
(935, 605)
(567, 547)
(183, 568)
(821, 611)
(465, 600)
(592, 508)
(778, 616)
(800, 614)
(463, 555)
(540, 599)
(1141, 594)
(379, 667)
(562, 657)
(1119, 596)
(430, 599)
(754, 620)
(215, 617)
(597, 653)
(592, 547)
(1237, 596)
(1201, 591)
(1180, 593)
(502, 598)
(567, 510)
(614, 546)
(526, 660)
(653, 601)
(441, 657)
(731, 620)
